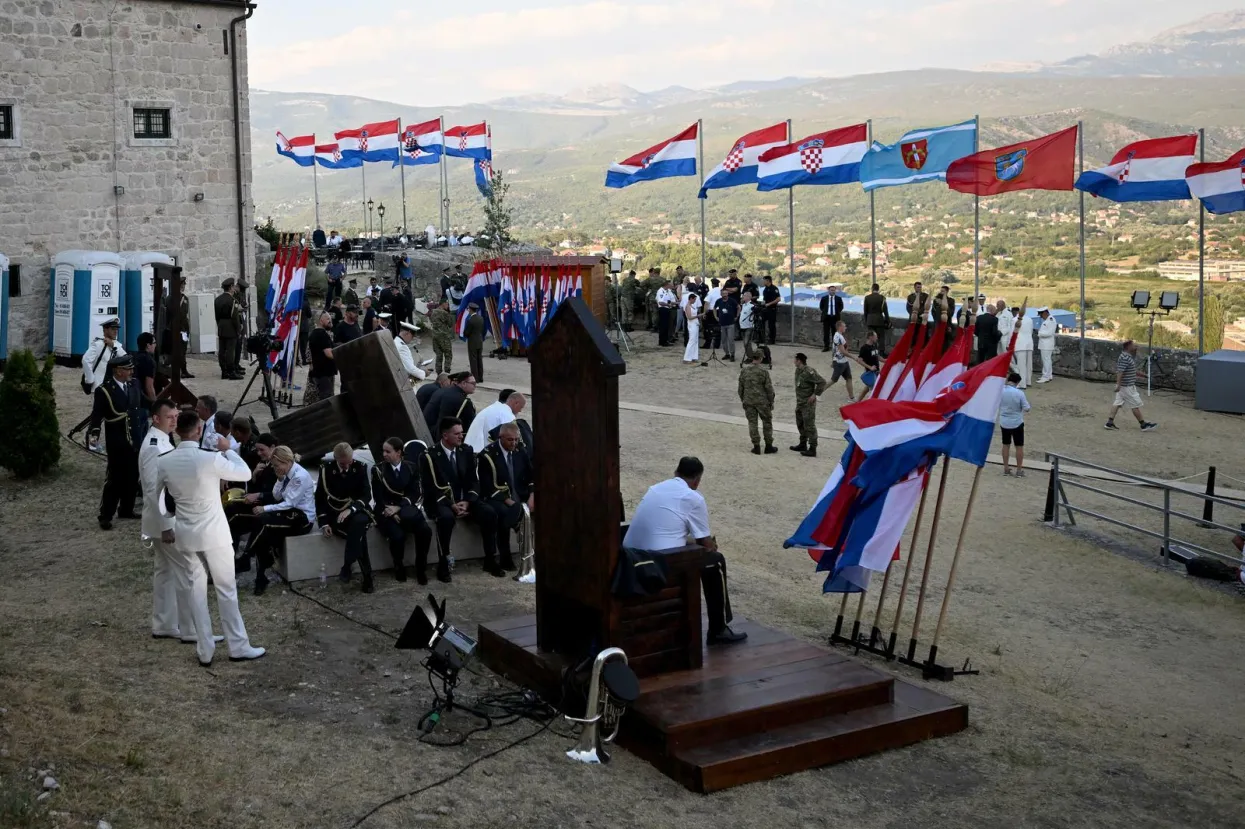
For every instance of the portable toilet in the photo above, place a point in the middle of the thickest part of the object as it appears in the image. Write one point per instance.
(86, 291)
(138, 294)
(4, 307)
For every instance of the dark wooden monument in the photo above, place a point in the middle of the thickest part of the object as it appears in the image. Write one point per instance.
(710, 718)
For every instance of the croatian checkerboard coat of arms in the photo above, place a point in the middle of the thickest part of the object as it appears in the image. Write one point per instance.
(915, 153)
(810, 155)
(363, 141)
(735, 158)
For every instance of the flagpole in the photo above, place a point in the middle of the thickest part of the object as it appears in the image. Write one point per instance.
(976, 219)
(876, 633)
(700, 165)
(1080, 168)
(873, 235)
(791, 255)
(315, 180)
(363, 171)
(441, 208)
(929, 559)
(955, 562)
(1201, 255)
(402, 173)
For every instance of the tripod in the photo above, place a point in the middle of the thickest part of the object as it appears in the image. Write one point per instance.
(261, 369)
(1152, 359)
(620, 336)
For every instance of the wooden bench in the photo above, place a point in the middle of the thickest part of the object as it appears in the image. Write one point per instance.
(663, 632)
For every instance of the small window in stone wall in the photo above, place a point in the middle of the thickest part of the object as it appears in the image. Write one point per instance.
(6, 123)
(15, 280)
(152, 123)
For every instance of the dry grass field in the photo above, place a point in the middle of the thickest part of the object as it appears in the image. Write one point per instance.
(1110, 691)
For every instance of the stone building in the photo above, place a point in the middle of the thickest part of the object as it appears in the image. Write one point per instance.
(124, 126)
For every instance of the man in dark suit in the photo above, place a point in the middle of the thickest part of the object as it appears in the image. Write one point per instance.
(452, 401)
(877, 315)
(424, 393)
(918, 302)
(451, 491)
(988, 335)
(474, 330)
(506, 481)
(227, 331)
(177, 327)
(116, 409)
(342, 496)
(831, 305)
(395, 490)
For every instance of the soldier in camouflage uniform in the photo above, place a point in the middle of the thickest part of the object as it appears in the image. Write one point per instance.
(808, 384)
(611, 297)
(756, 392)
(652, 285)
(442, 322)
(626, 293)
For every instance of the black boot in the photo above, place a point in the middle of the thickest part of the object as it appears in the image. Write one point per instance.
(491, 567)
(443, 571)
(368, 585)
(810, 452)
(770, 449)
(756, 448)
(799, 447)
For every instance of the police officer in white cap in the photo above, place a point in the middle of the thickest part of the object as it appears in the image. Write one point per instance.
(101, 350)
(406, 336)
(1046, 344)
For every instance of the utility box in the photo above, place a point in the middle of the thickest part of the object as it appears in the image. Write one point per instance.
(137, 296)
(1220, 385)
(202, 324)
(86, 291)
(4, 307)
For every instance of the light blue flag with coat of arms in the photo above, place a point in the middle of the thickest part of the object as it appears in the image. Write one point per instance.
(920, 155)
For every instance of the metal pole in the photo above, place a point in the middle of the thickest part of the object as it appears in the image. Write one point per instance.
(442, 207)
(402, 173)
(791, 245)
(873, 226)
(976, 216)
(700, 165)
(315, 179)
(1080, 168)
(1201, 256)
(1167, 525)
(363, 171)
(1054, 468)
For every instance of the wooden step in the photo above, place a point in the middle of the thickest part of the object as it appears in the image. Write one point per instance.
(916, 714)
(763, 698)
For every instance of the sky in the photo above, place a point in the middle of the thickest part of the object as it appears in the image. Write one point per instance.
(426, 54)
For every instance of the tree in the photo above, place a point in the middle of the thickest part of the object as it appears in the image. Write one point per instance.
(268, 232)
(1212, 322)
(28, 416)
(497, 218)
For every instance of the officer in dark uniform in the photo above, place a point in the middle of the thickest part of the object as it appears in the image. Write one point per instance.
(506, 481)
(177, 329)
(116, 409)
(227, 331)
(342, 497)
(395, 489)
(350, 296)
(452, 490)
(452, 401)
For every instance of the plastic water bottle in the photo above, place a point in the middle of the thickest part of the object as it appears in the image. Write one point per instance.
(324, 577)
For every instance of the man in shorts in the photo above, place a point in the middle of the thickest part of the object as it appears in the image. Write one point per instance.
(1126, 394)
(870, 359)
(1012, 410)
(842, 361)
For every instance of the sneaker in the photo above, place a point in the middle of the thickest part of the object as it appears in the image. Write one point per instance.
(1149, 427)
(1110, 424)
(1007, 472)
(247, 655)
(1020, 473)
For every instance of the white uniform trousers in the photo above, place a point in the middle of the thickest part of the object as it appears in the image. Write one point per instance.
(1048, 362)
(192, 589)
(1023, 362)
(169, 617)
(692, 352)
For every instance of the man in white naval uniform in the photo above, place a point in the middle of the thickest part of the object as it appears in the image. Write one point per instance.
(1046, 344)
(192, 477)
(99, 352)
(406, 336)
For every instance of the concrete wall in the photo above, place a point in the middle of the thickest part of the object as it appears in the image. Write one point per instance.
(1178, 367)
(74, 69)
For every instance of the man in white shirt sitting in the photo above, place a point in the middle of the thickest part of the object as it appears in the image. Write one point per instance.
(509, 405)
(673, 514)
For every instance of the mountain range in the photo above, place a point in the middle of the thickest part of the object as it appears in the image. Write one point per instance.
(554, 149)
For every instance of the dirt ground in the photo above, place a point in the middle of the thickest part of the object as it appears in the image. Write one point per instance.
(1109, 692)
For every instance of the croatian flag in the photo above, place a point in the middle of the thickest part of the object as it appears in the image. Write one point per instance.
(329, 156)
(300, 149)
(484, 283)
(825, 158)
(1152, 170)
(873, 537)
(370, 142)
(740, 166)
(920, 367)
(484, 176)
(471, 141)
(950, 366)
(673, 157)
(1219, 184)
(919, 155)
(505, 307)
(420, 144)
(896, 363)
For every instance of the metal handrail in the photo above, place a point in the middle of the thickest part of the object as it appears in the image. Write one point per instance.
(1058, 501)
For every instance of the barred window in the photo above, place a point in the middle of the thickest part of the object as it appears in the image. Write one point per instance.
(151, 123)
(6, 123)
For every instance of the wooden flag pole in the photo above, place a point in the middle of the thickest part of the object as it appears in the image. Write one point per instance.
(838, 623)
(860, 610)
(929, 560)
(876, 632)
(955, 561)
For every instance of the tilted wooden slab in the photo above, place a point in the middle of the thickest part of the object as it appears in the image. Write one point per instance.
(770, 706)
(380, 392)
(313, 430)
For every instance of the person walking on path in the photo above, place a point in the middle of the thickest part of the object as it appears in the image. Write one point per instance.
(1126, 394)
(1012, 410)
(808, 386)
(756, 393)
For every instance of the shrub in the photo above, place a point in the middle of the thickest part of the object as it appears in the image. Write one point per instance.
(28, 416)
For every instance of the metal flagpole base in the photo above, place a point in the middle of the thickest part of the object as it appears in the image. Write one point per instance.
(872, 644)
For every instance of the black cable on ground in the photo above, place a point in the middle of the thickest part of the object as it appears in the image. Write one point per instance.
(345, 616)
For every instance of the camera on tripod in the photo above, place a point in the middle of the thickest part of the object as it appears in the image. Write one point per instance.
(261, 344)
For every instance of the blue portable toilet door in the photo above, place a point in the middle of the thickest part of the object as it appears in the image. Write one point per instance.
(62, 310)
(105, 296)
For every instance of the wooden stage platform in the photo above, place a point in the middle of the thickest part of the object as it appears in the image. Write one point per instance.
(767, 707)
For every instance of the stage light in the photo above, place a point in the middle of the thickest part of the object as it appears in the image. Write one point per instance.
(615, 265)
(1141, 299)
(1169, 300)
(449, 648)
